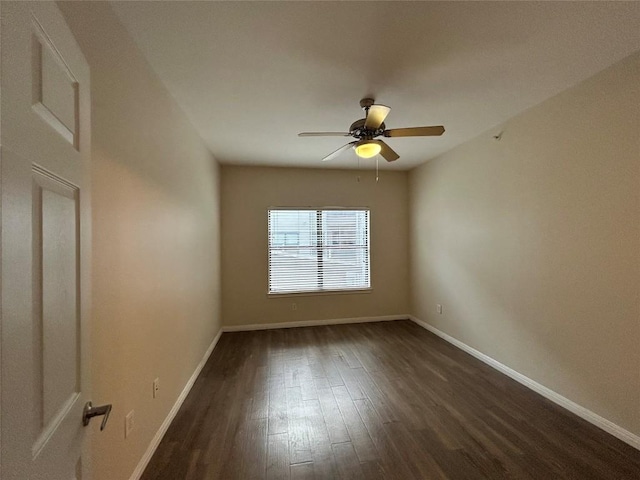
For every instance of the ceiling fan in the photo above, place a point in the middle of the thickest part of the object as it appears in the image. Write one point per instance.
(371, 126)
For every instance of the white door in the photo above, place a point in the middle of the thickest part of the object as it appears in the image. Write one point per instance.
(45, 256)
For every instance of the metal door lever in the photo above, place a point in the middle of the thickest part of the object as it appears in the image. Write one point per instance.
(90, 411)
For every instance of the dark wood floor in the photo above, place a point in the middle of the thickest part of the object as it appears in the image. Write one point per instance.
(384, 400)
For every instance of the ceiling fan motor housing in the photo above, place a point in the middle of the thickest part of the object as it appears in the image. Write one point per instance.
(357, 130)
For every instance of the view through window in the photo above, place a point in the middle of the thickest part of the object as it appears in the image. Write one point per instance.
(318, 250)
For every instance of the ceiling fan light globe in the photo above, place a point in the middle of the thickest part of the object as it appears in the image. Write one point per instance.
(367, 149)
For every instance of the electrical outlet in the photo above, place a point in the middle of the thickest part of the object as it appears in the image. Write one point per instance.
(156, 387)
(294, 306)
(129, 422)
(439, 308)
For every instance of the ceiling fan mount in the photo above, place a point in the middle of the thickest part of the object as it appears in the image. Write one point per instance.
(365, 103)
(365, 131)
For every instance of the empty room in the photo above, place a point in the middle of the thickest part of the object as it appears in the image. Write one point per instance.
(319, 240)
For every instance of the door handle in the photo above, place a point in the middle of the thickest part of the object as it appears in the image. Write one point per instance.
(90, 411)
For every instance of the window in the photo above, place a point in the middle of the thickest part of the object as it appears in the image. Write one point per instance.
(318, 250)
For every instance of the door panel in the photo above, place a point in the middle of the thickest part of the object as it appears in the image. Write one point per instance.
(55, 300)
(54, 88)
(46, 246)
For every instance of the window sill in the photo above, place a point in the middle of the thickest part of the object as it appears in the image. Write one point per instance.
(322, 293)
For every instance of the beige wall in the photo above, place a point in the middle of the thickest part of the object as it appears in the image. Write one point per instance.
(247, 194)
(531, 244)
(156, 286)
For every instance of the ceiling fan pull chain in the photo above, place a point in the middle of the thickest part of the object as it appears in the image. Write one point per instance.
(377, 161)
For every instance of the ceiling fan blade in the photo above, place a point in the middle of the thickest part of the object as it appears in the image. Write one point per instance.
(323, 134)
(343, 148)
(387, 152)
(375, 116)
(415, 132)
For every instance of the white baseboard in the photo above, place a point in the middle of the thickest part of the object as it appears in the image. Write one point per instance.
(591, 417)
(142, 464)
(313, 323)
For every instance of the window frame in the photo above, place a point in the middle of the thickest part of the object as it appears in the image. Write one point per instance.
(350, 291)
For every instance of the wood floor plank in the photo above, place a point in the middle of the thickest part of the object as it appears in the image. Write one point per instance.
(358, 433)
(254, 449)
(385, 400)
(372, 471)
(302, 471)
(350, 378)
(347, 461)
(317, 428)
(332, 417)
(298, 427)
(333, 375)
(277, 409)
(308, 388)
(414, 453)
(378, 399)
(391, 461)
(278, 466)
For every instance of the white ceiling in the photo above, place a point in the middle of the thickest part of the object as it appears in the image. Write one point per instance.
(251, 75)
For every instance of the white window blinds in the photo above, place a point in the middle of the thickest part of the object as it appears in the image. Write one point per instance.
(318, 250)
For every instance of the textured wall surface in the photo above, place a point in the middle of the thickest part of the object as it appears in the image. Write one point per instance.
(531, 243)
(156, 262)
